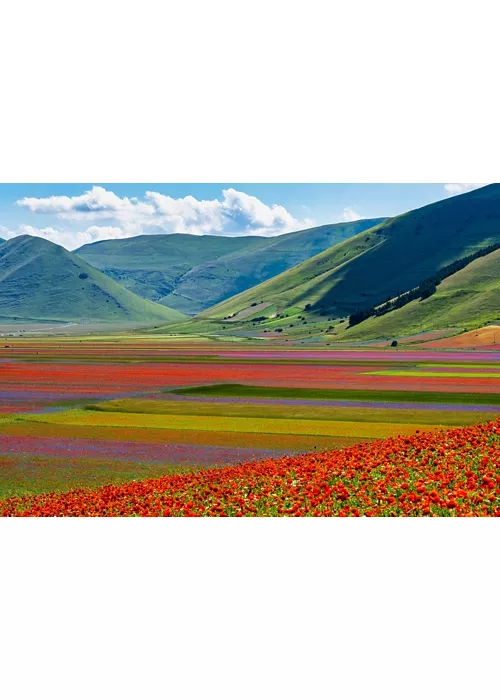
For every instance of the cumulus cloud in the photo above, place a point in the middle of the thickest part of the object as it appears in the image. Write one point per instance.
(236, 213)
(93, 204)
(350, 214)
(461, 187)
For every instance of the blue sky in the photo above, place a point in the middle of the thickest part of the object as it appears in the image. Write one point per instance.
(74, 214)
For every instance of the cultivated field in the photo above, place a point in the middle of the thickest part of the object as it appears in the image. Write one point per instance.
(88, 413)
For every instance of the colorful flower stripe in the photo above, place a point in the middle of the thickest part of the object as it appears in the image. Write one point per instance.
(50, 395)
(295, 443)
(158, 348)
(25, 407)
(111, 378)
(456, 472)
(378, 414)
(362, 354)
(206, 455)
(237, 424)
(23, 474)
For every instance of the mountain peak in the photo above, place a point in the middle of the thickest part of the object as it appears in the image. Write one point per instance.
(40, 280)
(33, 242)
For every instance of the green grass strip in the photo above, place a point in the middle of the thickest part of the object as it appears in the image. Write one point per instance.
(461, 365)
(387, 395)
(437, 374)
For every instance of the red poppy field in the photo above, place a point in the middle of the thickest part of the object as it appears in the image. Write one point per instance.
(452, 473)
(144, 427)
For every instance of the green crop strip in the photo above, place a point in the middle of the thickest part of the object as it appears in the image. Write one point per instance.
(245, 390)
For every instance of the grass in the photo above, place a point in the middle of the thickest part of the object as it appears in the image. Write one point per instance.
(341, 394)
(308, 413)
(468, 299)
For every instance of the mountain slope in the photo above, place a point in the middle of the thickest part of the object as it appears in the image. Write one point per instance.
(467, 299)
(191, 273)
(381, 262)
(40, 280)
(151, 266)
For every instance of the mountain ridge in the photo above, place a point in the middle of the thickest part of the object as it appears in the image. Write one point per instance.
(40, 280)
(192, 273)
(380, 262)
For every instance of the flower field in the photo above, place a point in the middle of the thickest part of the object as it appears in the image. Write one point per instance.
(453, 473)
(210, 423)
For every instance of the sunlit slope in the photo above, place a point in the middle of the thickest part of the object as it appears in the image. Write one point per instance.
(192, 273)
(42, 281)
(381, 262)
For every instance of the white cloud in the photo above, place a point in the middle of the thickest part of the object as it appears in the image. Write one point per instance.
(237, 213)
(461, 187)
(351, 214)
(97, 203)
(186, 214)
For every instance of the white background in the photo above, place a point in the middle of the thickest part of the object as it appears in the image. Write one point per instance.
(248, 92)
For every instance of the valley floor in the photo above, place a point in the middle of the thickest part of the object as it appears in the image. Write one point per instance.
(88, 412)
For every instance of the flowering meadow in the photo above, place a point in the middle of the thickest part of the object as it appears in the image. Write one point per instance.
(156, 428)
(453, 473)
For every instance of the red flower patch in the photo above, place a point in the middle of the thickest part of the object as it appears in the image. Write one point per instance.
(452, 473)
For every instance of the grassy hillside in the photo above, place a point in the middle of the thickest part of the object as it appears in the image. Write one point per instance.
(151, 266)
(42, 281)
(383, 261)
(192, 273)
(468, 299)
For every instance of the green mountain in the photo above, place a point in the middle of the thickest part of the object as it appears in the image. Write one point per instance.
(192, 273)
(467, 299)
(40, 280)
(377, 264)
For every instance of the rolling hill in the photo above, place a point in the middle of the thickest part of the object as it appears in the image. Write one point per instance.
(467, 299)
(192, 273)
(40, 281)
(377, 264)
